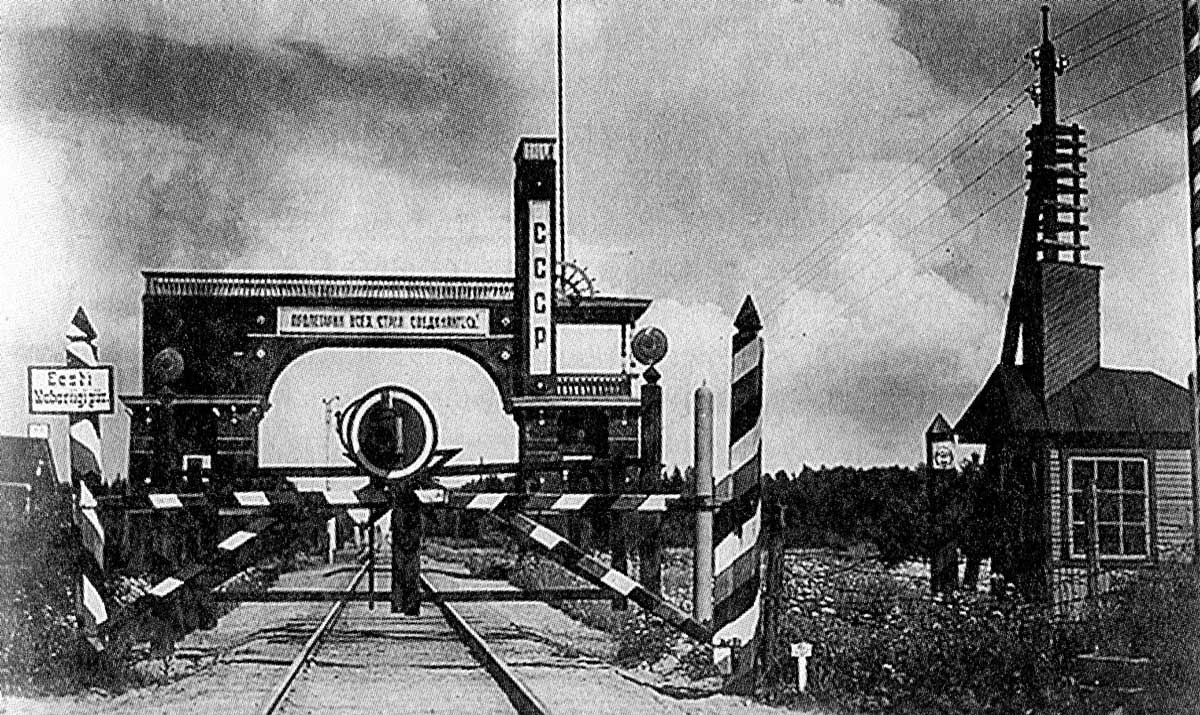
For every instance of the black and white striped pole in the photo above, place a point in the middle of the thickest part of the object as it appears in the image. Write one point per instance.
(86, 478)
(1191, 71)
(737, 522)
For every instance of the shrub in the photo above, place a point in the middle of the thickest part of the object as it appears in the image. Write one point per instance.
(1156, 614)
(880, 645)
(39, 645)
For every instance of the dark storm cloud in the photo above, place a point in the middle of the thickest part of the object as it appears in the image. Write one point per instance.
(969, 47)
(224, 116)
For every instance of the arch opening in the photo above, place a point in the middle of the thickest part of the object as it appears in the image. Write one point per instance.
(300, 427)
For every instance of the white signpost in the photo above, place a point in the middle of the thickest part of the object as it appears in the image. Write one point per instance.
(57, 390)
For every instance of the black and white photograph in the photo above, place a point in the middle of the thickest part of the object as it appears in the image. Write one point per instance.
(829, 357)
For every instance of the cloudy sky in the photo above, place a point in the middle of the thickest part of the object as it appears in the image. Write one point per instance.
(790, 149)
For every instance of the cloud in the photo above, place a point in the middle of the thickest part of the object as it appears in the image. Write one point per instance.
(858, 373)
(711, 151)
(1145, 294)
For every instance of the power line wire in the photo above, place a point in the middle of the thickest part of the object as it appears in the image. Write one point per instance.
(1166, 8)
(1131, 132)
(971, 140)
(1089, 18)
(896, 177)
(1148, 20)
(802, 283)
(912, 229)
(807, 277)
(1128, 88)
(1085, 60)
(886, 281)
(1103, 145)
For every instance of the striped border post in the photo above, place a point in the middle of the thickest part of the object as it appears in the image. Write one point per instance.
(86, 477)
(737, 593)
(1191, 71)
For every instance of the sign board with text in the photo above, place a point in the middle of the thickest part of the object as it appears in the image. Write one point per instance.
(942, 455)
(375, 321)
(55, 390)
(541, 290)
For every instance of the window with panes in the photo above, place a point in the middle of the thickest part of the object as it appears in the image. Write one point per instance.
(1120, 501)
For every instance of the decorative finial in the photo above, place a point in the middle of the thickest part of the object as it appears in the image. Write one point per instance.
(747, 320)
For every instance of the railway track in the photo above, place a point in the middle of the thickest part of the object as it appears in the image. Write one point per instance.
(436, 664)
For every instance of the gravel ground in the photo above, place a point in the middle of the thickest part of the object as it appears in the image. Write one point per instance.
(395, 667)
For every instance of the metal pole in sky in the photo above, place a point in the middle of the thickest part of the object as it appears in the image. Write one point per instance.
(1191, 70)
(562, 211)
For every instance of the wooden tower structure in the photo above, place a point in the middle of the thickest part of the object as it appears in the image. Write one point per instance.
(1088, 467)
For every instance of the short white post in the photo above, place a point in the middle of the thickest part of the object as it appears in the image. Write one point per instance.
(360, 517)
(331, 529)
(802, 651)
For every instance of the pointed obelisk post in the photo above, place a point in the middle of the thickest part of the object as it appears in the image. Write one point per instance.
(939, 465)
(86, 479)
(737, 596)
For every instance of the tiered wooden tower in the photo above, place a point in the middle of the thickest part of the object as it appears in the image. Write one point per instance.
(1050, 275)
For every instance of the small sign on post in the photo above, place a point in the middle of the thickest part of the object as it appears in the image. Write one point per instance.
(58, 390)
(802, 651)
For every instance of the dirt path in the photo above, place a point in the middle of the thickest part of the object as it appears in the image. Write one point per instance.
(392, 665)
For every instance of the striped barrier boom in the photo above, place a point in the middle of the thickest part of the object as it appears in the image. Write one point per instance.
(252, 499)
(371, 497)
(592, 570)
(737, 591)
(87, 474)
(226, 561)
(585, 503)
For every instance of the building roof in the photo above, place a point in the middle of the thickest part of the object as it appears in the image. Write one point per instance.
(1108, 400)
(375, 290)
(1005, 405)
(26, 460)
(1102, 401)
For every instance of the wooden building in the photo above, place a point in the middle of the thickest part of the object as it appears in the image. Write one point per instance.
(1089, 467)
(27, 477)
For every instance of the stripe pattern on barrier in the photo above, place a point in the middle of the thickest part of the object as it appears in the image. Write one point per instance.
(737, 597)
(226, 561)
(592, 570)
(368, 497)
(86, 477)
(1191, 68)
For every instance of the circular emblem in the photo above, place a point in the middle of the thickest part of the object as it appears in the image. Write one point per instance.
(649, 345)
(573, 283)
(943, 456)
(167, 366)
(390, 432)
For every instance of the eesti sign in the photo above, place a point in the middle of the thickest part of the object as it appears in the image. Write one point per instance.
(295, 320)
(56, 390)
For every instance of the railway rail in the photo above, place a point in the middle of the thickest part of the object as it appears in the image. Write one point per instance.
(286, 697)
